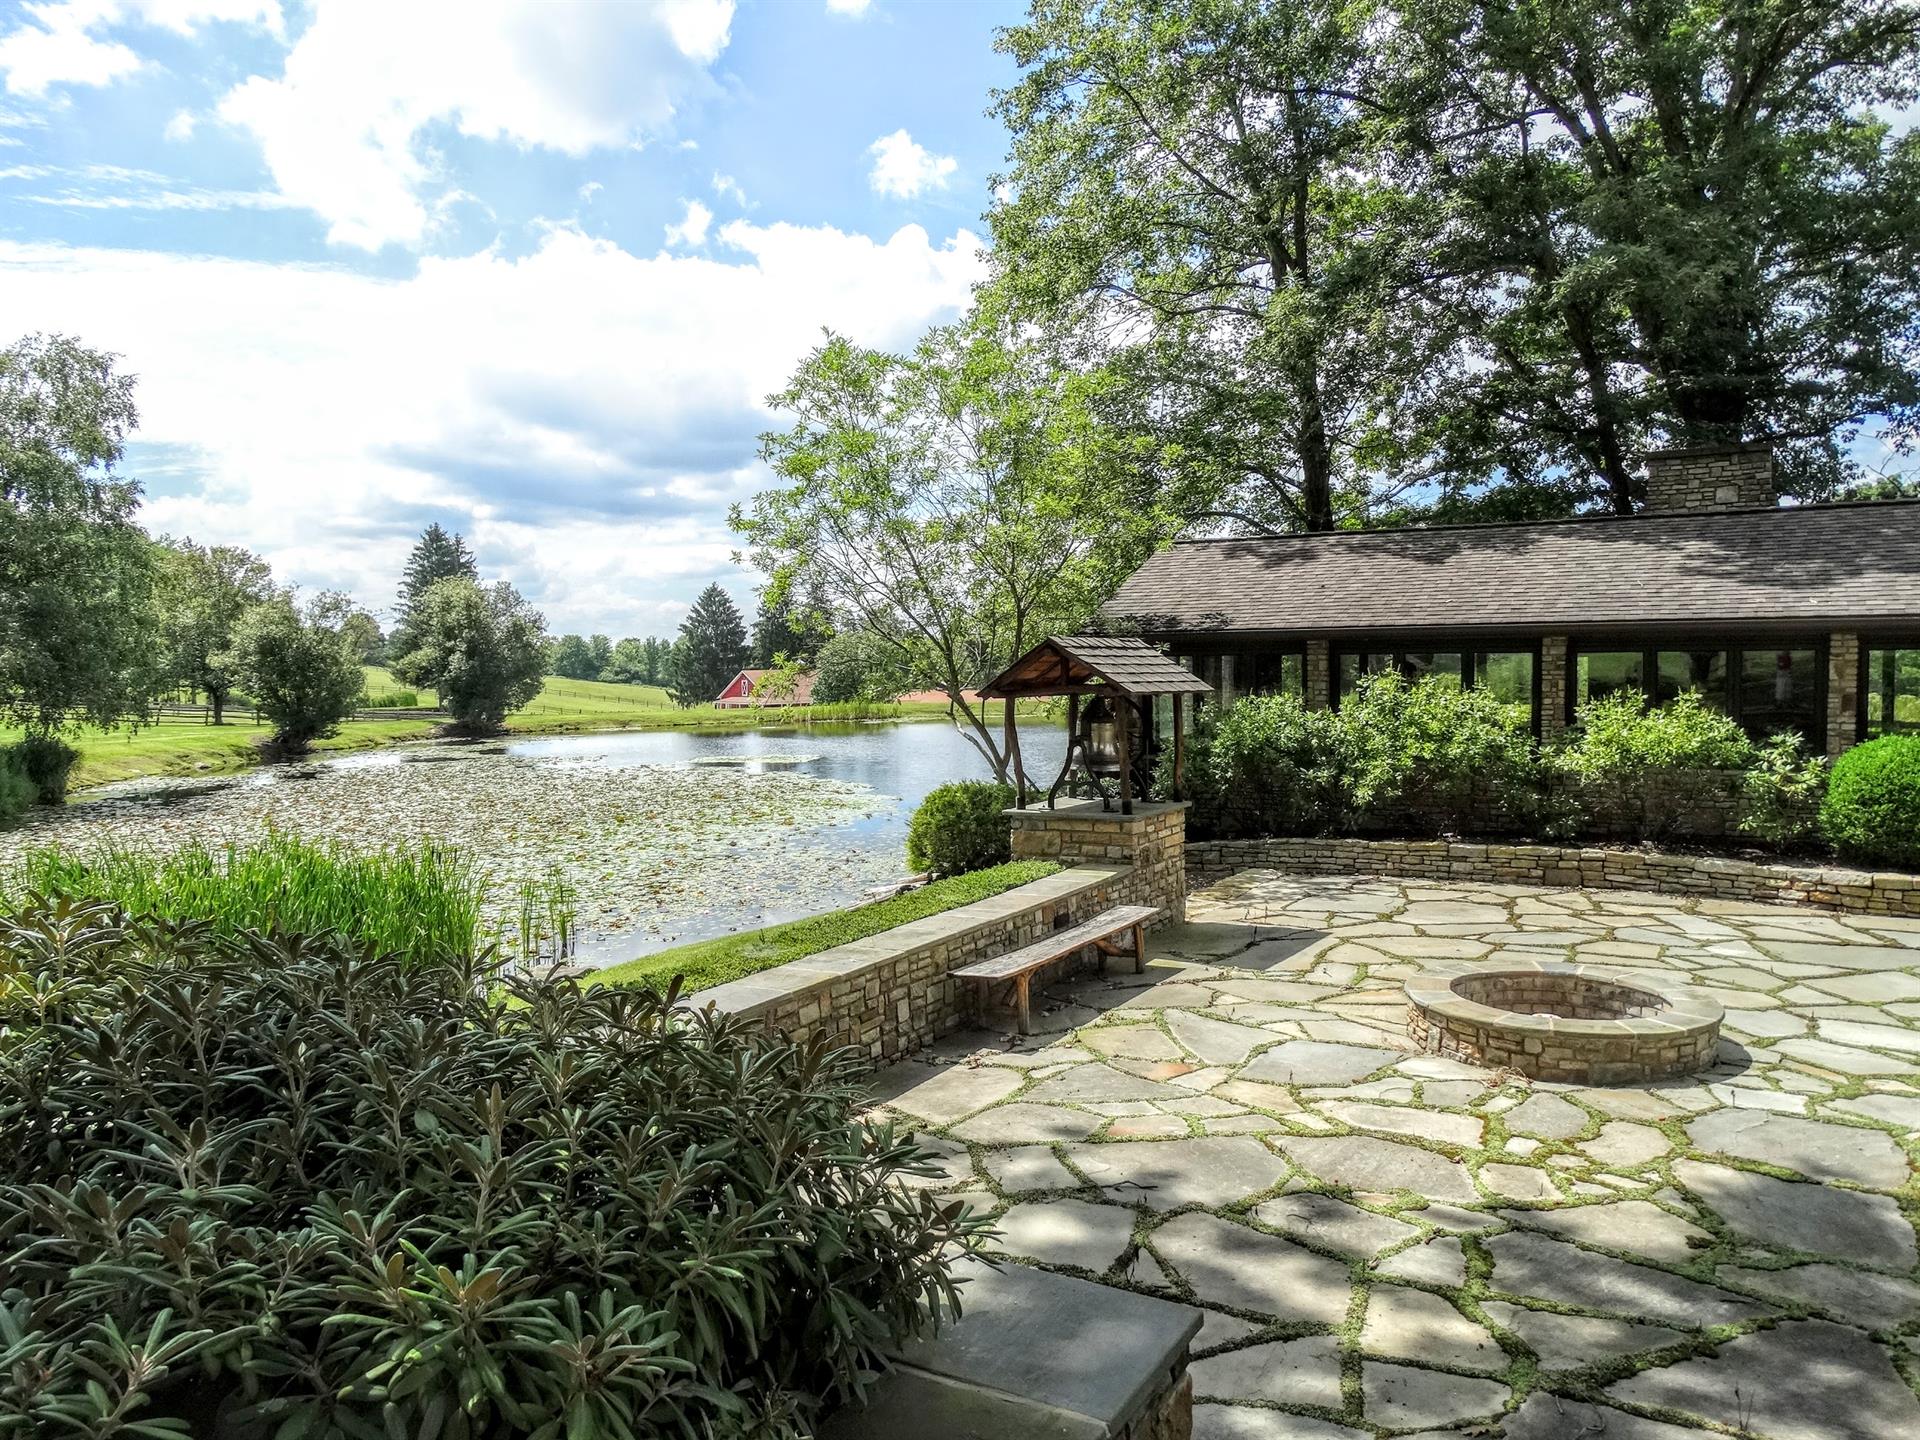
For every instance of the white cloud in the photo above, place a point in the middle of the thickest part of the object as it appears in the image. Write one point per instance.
(903, 168)
(691, 229)
(590, 190)
(342, 127)
(728, 188)
(852, 9)
(63, 42)
(583, 412)
(180, 128)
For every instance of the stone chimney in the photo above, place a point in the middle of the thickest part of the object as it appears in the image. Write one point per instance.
(1710, 477)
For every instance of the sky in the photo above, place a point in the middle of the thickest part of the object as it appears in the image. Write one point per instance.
(527, 268)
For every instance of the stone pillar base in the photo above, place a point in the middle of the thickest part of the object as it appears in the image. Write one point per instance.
(1151, 843)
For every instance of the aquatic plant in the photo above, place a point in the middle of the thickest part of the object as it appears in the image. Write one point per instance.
(424, 902)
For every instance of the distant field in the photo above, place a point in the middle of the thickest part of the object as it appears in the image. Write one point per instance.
(558, 697)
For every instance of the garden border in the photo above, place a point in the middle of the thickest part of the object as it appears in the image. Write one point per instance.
(1867, 892)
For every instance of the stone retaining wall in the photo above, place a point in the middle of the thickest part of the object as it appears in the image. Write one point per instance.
(1151, 842)
(1861, 891)
(892, 993)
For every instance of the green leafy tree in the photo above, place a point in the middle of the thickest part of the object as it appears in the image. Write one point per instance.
(438, 555)
(712, 648)
(79, 630)
(776, 633)
(1689, 223)
(628, 664)
(481, 648)
(363, 634)
(853, 666)
(599, 655)
(1195, 201)
(958, 504)
(204, 591)
(302, 673)
(571, 658)
(659, 660)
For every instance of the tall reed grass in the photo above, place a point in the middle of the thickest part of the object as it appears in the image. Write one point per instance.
(424, 903)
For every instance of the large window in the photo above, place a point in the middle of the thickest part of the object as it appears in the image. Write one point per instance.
(1890, 677)
(1508, 673)
(1766, 687)
(1250, 672)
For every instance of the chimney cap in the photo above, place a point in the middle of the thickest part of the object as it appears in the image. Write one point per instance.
(1683, 452)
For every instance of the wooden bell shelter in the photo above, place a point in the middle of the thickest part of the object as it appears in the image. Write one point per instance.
(1111, 684)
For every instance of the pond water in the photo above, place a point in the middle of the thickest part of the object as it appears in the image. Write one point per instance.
(665, 836)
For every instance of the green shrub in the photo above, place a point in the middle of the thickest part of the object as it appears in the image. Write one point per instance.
(391, 700)
(18, 794)
(1872, 810)
(1650, 763)
(1783, 790)
(257, 1188)
(1434, 756)
(45, 762)
(961, 827)
(1267, 765)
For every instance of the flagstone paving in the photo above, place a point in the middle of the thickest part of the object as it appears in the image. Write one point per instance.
(1385, 1243)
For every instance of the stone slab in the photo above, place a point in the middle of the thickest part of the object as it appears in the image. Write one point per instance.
(1034, 1167)
(1402, 1396)
(1787, 1215)
(1213, 1171)
(1525, 1264)
(1333, 1224)
(1555, 1417)
(1317, 1062)
(1020, 1123)
(1361, 1162)
(1425, 1329)
(1299, 1372)
(1238, 1268)
(1805, 1380)
(1857, 1297)
(1573, 1342)
(1463, 1130)
(1066, 1232)
(1812, 1147)
(1638, 1227)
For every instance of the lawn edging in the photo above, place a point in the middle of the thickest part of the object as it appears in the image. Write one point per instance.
(707, 964)
(1867, 892)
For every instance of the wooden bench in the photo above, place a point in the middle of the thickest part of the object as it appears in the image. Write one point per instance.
(1017, 967)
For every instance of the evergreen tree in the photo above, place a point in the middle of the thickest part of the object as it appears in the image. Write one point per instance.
(439, 555)
(776, 633)
(712, 648)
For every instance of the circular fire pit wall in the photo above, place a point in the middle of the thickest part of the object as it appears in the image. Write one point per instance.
(1570, 1023)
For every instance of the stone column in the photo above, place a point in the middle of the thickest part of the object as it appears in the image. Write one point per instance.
(1843, 692)
(1318, 679)
(1151, 843)
(1553, 687)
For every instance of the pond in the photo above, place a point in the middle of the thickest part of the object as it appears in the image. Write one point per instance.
(665, 836)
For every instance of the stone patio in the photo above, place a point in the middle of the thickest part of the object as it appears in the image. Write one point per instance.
(1383, 1242)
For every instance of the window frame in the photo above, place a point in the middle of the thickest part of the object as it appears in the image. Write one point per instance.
(1898, 640)
(1735, 647)
(1190, 656)
(1467, 647)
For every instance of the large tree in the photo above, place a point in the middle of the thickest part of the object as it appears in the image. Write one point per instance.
(482, 649)
(204, 591)
(957, 505)
(1681, 221)
(79, 634)
(1193, 201)
(298, 667)
(571, 658)
(712, 648)
(439, 554)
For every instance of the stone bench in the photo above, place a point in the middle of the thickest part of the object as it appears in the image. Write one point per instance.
(1039, 1357)
(1017, 967)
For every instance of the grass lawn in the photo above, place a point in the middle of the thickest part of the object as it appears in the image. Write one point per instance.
(707, 963)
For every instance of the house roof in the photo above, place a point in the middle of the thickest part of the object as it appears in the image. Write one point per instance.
(1858, 561)
(802, 685)
(1073, 664)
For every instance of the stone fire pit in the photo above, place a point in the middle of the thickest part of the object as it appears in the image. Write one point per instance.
(1578, 1024)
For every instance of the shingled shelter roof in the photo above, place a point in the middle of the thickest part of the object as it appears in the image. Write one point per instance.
(1076, 664)
(1857, 562)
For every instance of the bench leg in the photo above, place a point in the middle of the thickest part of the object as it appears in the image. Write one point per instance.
(1139, 949)
(1022, 1001)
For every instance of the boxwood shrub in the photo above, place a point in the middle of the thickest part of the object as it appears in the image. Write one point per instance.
(1872, 810)
(282, 1188)
(961, 827)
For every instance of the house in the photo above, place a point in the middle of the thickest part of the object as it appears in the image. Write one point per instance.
(1799, 617)
(745, 691)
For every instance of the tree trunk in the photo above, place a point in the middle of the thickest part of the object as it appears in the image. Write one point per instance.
(217, 699)
(1316, 455)
(1608, 455)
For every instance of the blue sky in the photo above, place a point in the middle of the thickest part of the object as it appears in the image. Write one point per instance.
(523, 268)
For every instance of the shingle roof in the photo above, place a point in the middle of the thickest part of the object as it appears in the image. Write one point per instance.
(1825, 562)
(1065, 661)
